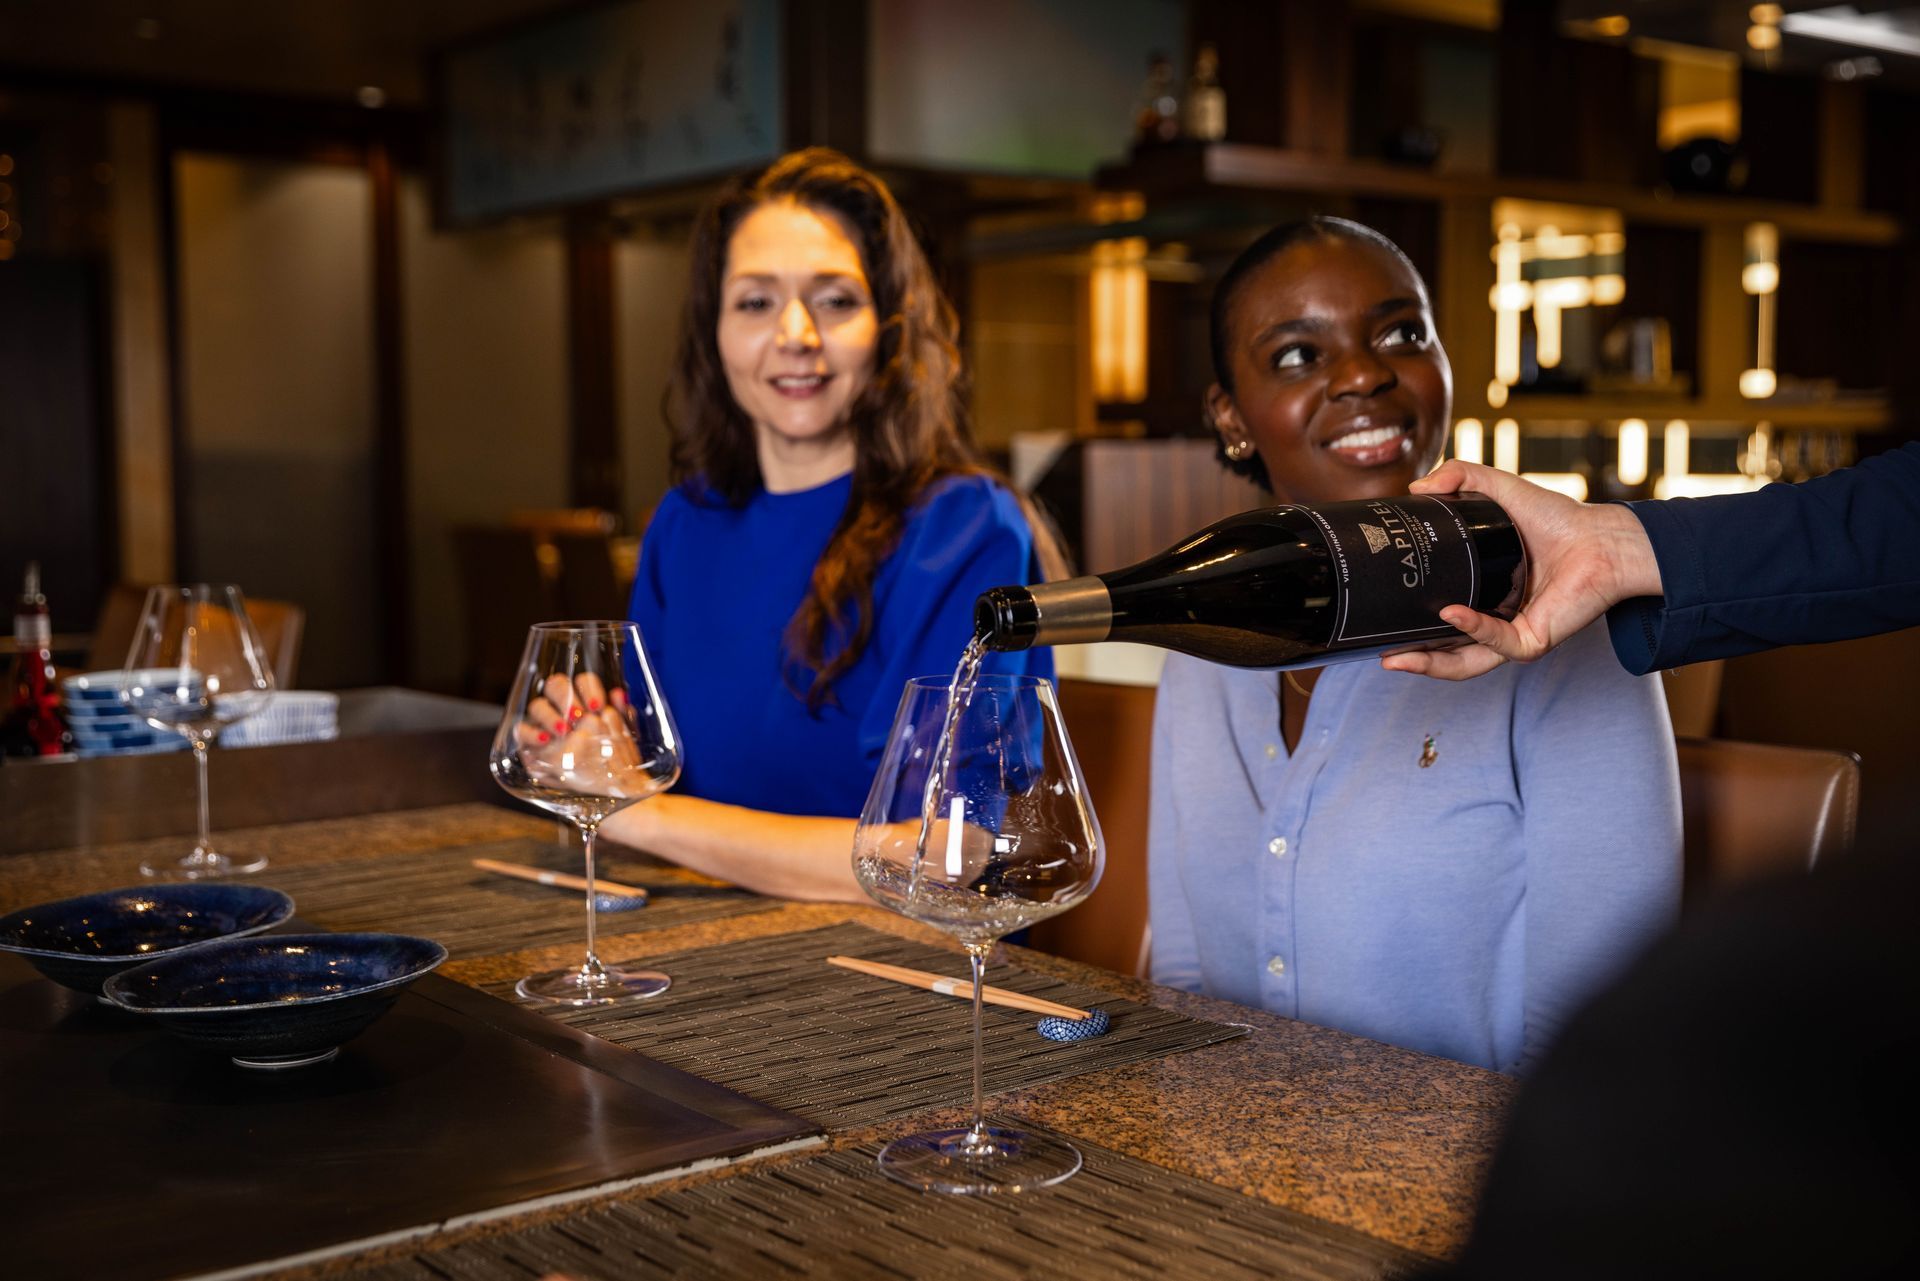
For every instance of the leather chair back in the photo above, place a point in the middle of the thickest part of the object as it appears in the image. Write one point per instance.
(281, 625)
(1111, 727)
(1753, 809)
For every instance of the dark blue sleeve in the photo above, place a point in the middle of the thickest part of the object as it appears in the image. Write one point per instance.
(966, 535)
(1831, 559)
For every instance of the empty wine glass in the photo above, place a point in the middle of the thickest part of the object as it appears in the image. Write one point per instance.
(979, 830)
(196, 666)
(586, 734)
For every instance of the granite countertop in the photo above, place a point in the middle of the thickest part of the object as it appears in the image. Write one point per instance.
(1369, 1136)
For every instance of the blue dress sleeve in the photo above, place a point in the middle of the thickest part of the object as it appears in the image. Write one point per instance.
(1826, 560)
(648, 603)
(966, 534)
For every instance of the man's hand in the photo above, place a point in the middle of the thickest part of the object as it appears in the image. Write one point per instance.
(1581, 561)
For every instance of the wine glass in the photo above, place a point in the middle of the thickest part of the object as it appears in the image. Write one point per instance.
(586, 734)
(196, 666)
(978, 823)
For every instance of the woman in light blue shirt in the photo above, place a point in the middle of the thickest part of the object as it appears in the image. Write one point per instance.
(1448, 867)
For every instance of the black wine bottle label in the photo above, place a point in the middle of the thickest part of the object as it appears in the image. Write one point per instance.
(1397, 563)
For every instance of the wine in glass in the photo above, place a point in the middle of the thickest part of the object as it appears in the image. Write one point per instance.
(586, 734)
(978, 823)
(196, 666)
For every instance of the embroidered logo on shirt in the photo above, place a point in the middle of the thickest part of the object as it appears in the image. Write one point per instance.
(1428, 753)
(1377, 539)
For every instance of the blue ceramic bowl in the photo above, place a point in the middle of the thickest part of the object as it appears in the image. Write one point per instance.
(82, 942)
(278, 1002)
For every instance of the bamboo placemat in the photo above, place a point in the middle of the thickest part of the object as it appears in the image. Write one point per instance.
(836, 1216)
(438, 893)
(771, 1019)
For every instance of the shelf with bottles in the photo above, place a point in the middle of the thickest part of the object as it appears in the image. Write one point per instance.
(1634, 458)
(1188, 169)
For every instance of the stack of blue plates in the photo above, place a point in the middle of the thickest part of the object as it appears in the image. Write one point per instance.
(103, 724)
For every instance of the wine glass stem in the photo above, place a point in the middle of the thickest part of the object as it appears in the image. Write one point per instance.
(977, 955)
(205, 846)
(590, 969)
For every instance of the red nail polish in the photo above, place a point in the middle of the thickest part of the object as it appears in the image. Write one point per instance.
(545, 737)
(573, 713)
(594, 706)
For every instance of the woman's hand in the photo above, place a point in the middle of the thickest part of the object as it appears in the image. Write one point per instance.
(574, 736)
(1581, 561)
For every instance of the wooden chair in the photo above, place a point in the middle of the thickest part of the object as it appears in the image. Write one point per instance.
(1111, 727)
(546, 522)
(504, 591)
(281, 624)
(589, 580)
(1751, 810)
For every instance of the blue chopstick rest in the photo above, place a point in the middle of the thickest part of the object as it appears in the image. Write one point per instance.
(605, 902)
(1055, 1028)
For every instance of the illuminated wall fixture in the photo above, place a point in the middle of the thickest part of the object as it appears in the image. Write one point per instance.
(1760, 276)
(1510, 296)
(1548, 272)
(1570, 483)
(1757, 459)
(1679, 449)
(1119, 288)
(1506, 445)
(1496, 394)
(1633, 452)
(1469, 444)
(1764, 35)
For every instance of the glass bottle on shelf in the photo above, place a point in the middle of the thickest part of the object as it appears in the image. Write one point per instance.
(1157, 119)
(32, 725)
(1206, 105)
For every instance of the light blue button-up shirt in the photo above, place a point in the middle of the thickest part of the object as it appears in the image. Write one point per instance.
(1462, 907)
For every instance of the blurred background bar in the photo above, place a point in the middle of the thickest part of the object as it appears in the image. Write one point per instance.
(368, 306)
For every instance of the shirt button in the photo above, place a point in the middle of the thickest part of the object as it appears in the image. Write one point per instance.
(1276, 966)
(1272, 751)
(1277, 847)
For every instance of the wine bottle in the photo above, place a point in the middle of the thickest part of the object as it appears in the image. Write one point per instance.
(31, 725)
(1287, 586)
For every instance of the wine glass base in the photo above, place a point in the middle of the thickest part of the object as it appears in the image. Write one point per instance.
(951, 1161)
(199, 865)
(571, 987)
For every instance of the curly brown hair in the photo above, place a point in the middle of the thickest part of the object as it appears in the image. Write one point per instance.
(909, 422)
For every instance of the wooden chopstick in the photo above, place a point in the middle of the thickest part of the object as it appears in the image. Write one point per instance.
(565, 880)
(957, 987)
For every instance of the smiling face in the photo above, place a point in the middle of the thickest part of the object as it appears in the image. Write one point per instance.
(797, 333)
(1339, 382)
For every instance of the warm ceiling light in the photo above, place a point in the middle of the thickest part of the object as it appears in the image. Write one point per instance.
(371, 96)
(1758, 384)
(1843, 25)
(1497, 394)
(1763, 39)
(1766, 15)
(1614, 24)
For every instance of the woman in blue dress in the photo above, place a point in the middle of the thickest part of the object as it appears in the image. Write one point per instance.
(1446, 867)
(828, 530)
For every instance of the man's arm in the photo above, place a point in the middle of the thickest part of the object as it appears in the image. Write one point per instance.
(1581, 561)
(1829, 559)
